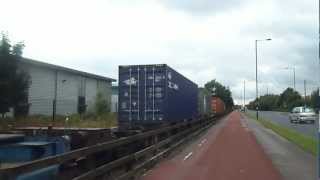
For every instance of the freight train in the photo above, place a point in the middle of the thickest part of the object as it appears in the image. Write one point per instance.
(210, 104)
(151, 96)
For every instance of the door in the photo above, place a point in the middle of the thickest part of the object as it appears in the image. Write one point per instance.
(294, 114)
(141, 93)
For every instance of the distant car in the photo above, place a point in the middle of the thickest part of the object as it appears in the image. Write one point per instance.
(302, 115)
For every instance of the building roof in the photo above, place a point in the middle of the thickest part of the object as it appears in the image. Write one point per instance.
(61, 68)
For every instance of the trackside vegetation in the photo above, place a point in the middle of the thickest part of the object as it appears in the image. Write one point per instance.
(105, 120)
(308, 144)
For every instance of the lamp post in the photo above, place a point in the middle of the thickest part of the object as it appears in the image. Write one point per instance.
(256, 48)
(244, 95)
(294, 75)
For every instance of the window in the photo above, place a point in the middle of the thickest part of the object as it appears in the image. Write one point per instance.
(307, 110)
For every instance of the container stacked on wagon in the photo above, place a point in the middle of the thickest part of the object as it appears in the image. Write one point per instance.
(151, 96)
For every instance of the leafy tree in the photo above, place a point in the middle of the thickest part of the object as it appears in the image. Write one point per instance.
(14, 82)
(290, 99)
(102, 105)
(287, 100)
(220, 91)
(252, 104)
(268, 102)
(315, 99)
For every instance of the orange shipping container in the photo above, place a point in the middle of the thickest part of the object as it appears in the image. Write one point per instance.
(217, 105)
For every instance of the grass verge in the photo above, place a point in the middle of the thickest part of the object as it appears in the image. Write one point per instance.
(307, 143)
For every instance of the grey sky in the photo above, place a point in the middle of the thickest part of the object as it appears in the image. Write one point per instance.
(203, 39)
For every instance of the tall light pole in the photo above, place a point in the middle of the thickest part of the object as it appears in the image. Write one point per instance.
(305, 92)
(256, 47)
(244, 95)
(294, 75)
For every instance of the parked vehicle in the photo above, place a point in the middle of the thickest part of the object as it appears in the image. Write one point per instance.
(154, 95)
(302, 115)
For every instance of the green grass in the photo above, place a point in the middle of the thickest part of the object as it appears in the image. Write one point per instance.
(307, 143)
(88, 121)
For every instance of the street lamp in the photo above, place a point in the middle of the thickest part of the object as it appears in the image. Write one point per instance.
(256, 47)
(294, 75)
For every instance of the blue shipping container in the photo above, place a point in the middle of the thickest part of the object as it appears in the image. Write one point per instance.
(153, 94)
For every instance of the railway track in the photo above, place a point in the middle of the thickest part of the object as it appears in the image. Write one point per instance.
(123, 158)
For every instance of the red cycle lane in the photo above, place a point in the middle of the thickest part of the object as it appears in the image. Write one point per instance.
(233, 154)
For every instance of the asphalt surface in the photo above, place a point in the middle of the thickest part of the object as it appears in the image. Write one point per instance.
(282, 118)
(228, 151)
(292, 162)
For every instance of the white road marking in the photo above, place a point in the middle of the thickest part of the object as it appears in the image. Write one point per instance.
(203, 141)
(187, 156)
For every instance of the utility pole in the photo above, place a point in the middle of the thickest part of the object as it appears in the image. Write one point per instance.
(54, 102)
(294, 78)
(244, 95)
(294, 75)
(318, 162)
(305, 93)
(257, 100)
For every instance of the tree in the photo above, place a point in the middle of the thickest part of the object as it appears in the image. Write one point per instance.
(101, 105)
(290, 99)
(14, 82)
(315, 99)
(220, 91)
(268, 102)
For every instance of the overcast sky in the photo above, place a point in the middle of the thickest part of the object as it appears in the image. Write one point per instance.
(202, 39)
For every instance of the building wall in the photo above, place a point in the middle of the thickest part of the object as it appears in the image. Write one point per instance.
(114, 103)
(93, 87)
(67, 93)
(105, 88)
(114, 99)
(91, 92)
(41, 90)
(69, 87)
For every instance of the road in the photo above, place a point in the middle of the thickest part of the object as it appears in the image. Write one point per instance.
(282, 118)
(237, 148)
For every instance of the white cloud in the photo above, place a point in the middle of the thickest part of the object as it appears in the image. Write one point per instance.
(99, 35)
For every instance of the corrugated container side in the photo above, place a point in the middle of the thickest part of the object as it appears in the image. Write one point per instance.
(217, 105)
(182, 97)
(154, 94)
(142, 93)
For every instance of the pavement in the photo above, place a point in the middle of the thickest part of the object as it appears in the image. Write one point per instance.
(282, 118)
(292, 162)
(228, 151)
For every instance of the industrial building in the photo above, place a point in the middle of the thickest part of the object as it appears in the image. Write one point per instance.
(114, 98)
(67, 88)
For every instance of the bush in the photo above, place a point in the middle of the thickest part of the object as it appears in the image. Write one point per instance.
(102, 105)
